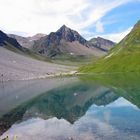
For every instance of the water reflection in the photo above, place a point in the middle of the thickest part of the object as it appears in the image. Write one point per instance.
(126, 85)
(69, 101)
(75, 110)
(99, 122)
(15, 93)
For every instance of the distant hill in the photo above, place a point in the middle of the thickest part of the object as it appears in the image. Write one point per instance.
(66, 41)
(124, 57)
(102, 43)
(27, 42)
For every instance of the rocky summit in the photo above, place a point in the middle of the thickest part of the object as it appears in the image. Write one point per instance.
(70, 35)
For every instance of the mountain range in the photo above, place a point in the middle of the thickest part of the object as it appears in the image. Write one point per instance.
(64, 41)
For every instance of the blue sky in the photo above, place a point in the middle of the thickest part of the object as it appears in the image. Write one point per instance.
(118, 21)
(111, 19)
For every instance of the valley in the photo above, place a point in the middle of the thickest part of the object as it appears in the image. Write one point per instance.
(70, 70)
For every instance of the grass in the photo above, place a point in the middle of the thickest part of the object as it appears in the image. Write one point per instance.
(118, 63)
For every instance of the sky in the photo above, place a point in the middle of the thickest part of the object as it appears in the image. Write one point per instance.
(111, 19)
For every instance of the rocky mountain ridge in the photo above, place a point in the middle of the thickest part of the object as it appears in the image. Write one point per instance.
(5, 40)
(27, 42)
(64, 42)
(67, 41)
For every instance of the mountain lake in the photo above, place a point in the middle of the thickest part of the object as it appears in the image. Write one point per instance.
(90, 107)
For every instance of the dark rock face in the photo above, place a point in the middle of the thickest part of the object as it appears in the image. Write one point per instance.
(4, 40)
(102, 43)
(70, 35)
(65, 33)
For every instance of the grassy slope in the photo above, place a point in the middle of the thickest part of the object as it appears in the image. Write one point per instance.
(125, 57)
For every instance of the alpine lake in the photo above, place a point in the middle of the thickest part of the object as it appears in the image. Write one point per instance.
(87, 107)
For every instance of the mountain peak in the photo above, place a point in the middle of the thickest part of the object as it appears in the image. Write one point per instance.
(69, 35)
(64, 28)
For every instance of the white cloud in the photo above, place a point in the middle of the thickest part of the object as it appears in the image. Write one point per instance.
(33, 16)
(99, 27)
(116, 37)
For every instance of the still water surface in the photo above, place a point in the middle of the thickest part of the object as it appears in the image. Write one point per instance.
(71, 109)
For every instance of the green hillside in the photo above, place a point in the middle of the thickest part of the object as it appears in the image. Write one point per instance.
(124, 57)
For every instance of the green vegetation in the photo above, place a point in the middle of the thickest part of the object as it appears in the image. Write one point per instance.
(124, 57)
(117, 64)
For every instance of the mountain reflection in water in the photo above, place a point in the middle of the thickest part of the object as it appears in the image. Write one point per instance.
(77, 110)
